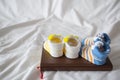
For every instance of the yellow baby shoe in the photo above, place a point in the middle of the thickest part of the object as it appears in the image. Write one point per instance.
(54, 45)
(72, 46)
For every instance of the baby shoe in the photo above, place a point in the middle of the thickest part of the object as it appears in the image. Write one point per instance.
(71, 46)
(96, 53)
(100, 37)
(54, 45)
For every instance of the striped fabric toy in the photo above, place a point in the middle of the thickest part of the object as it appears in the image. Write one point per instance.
(95, 54)
(87, 54)
(87, 41)
(100, 37)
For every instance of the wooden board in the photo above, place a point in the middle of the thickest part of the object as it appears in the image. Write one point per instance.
(49, 63)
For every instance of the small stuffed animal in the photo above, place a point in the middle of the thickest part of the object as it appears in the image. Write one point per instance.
(96, 53)
(104, 37)
(100, 37)
(100, 45)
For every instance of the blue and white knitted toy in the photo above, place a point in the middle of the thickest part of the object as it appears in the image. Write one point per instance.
(96, 53)
(104, 37)
(100, 37)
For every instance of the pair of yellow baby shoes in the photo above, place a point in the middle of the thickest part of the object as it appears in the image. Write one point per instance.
(58, 46)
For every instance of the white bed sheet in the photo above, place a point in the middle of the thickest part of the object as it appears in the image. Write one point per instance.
(25, 24)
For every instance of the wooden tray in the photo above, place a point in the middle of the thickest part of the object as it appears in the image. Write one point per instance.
(49, 63)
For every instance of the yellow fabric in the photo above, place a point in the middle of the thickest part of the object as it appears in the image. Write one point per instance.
(46, 46)
(54, 38)
(66, 39)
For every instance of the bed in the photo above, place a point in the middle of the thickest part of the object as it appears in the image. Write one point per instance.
(26, 24)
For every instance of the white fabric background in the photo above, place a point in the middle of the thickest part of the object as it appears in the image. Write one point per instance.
(25, 24)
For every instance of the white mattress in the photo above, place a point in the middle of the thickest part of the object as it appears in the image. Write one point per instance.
(25, 24)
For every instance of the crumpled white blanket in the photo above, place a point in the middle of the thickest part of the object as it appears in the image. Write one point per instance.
(25, 24)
